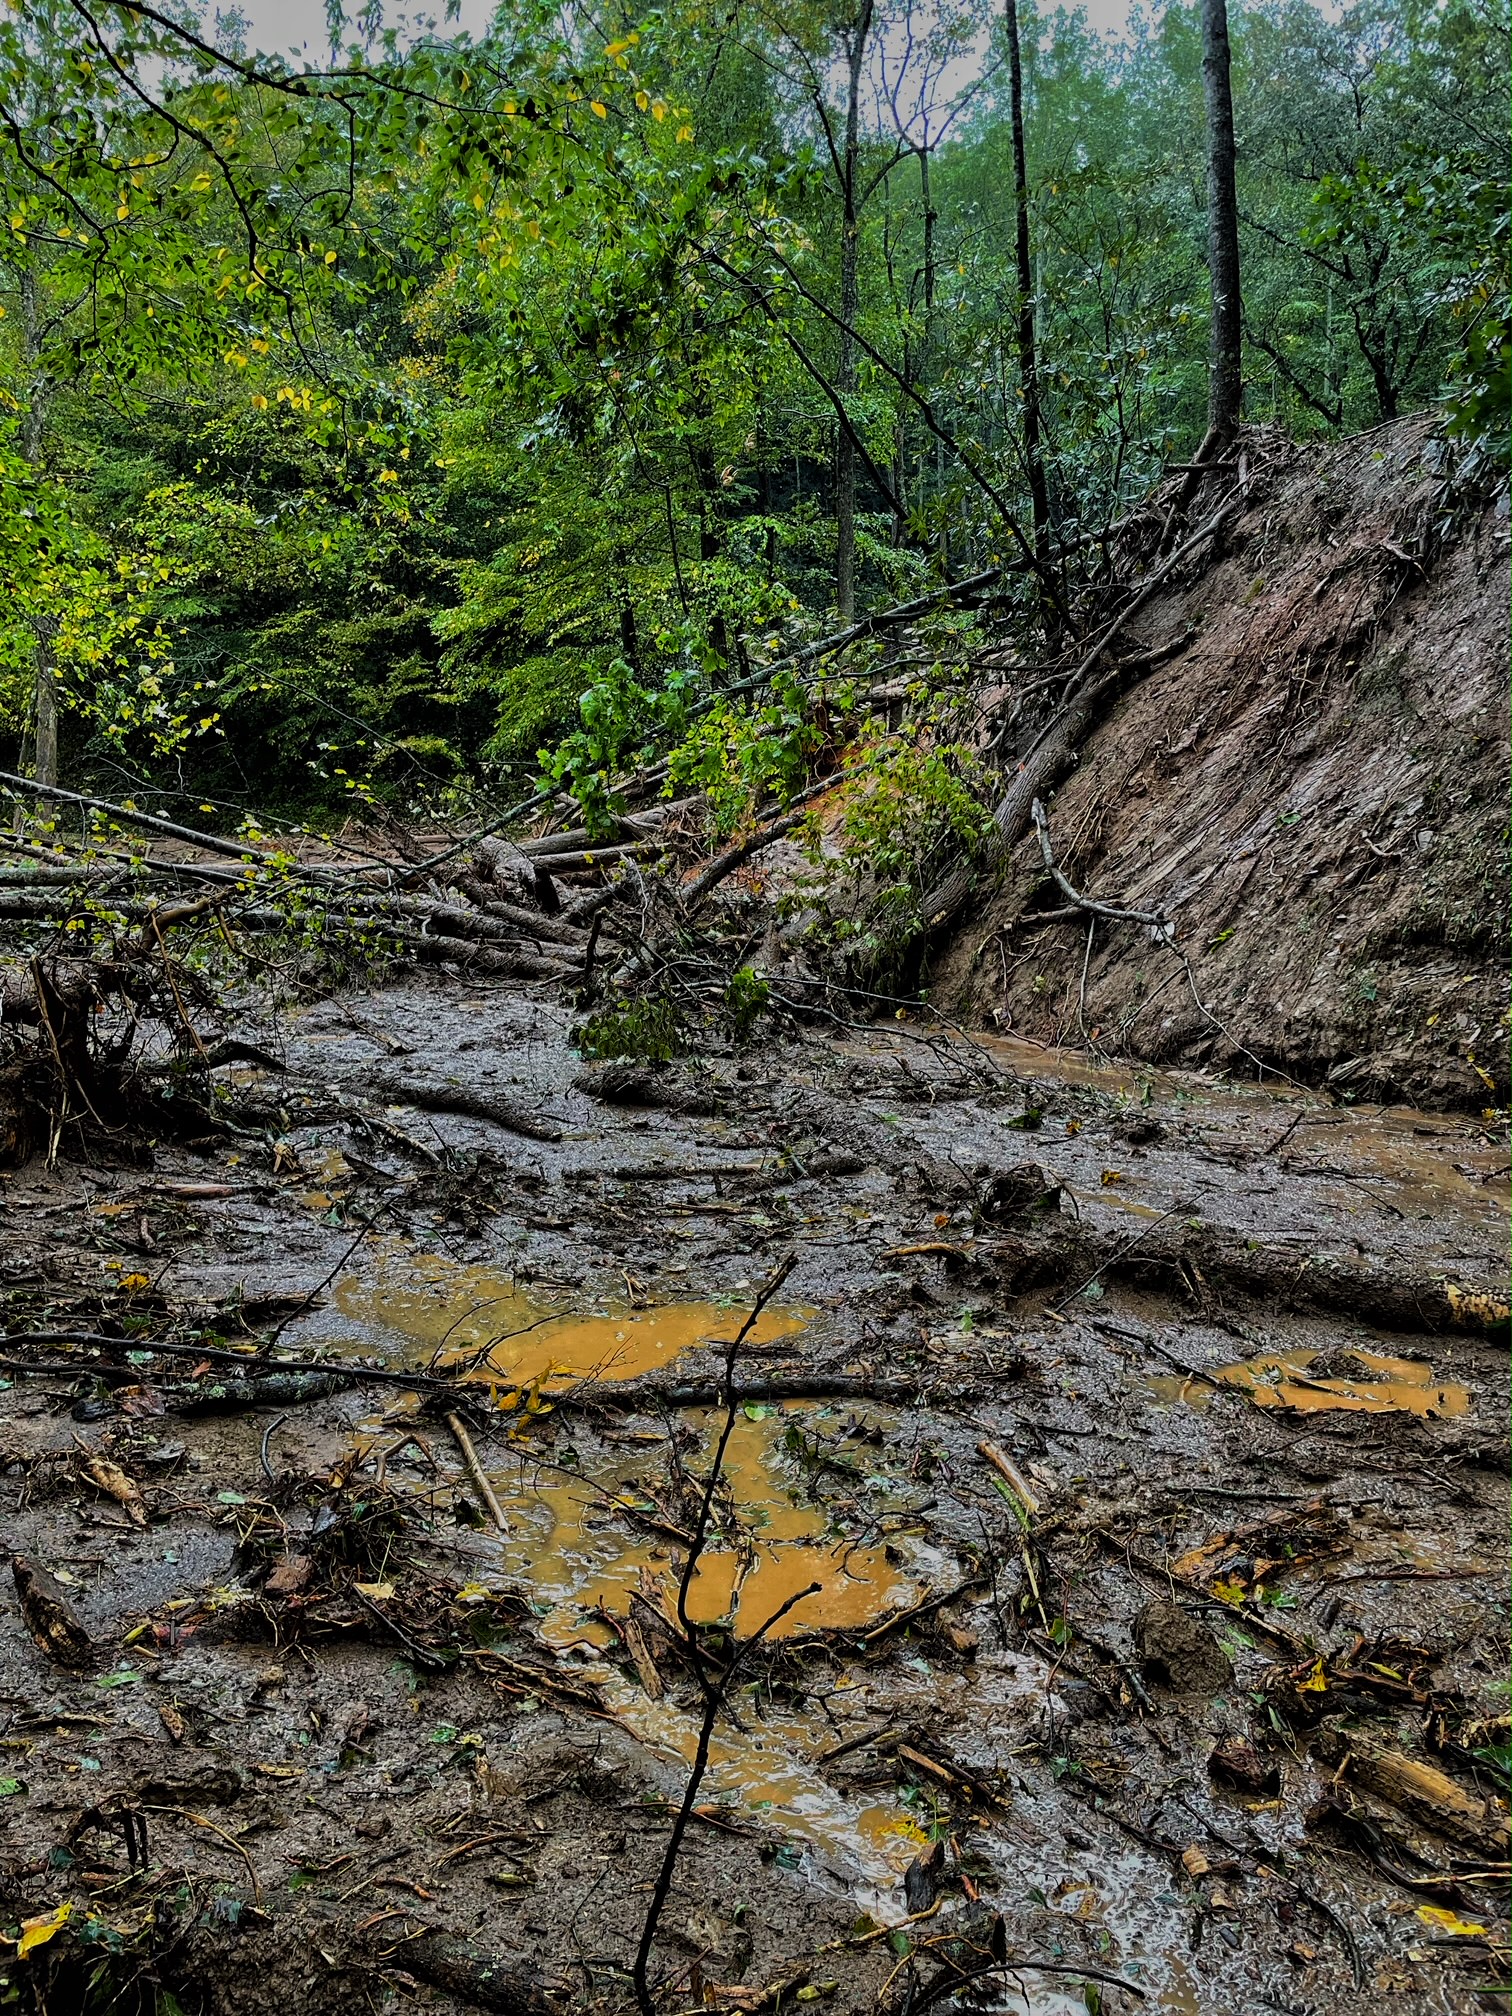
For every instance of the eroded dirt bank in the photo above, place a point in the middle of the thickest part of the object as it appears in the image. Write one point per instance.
(1158, 1653)
(1312, 789)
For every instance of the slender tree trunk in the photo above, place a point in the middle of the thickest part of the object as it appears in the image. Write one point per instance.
(850, 308)
(44, 627)
(1225, 360)
(1028, 360)
(925, 368)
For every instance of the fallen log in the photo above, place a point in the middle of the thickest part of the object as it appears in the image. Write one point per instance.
(429, 1098)
(1198, 1260)
(435, 947)
(1051, 754)
(1420, 1789)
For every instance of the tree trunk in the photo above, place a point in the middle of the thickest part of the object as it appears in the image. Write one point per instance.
(926, 356)
(1224, 380)
(850, 308)
(44, 628)
(1028, 361)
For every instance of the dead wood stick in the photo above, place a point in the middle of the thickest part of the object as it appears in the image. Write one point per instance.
(238, 850)
(595, 857)
(1088, 903)
(1010, 1473)
(725, 864)
(632, 826)
(476, 1471)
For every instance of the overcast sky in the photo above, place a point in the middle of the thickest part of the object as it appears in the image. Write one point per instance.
(285, 25)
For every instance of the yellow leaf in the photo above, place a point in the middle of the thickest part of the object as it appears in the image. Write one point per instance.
(130, 1283)
(1112, 1175)
(599, 110)
(1316, 1681)
(376, 1592)
(330, 258)
(685, 132)
(473, 1592)
(388, 475)
(123, 211)
(1457, 1928)
(37, 1931)
(1229, 1592)
(259, 401)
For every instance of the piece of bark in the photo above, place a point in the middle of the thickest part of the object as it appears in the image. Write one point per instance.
(114, 1482)
(49, 1616)
(1420, 1789)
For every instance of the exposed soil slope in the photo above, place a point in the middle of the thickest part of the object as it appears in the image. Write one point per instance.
(1314, 792)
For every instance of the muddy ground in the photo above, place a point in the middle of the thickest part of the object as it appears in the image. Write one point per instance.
(1156, 1492)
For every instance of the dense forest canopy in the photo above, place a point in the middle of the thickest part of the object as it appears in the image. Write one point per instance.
(465, 412)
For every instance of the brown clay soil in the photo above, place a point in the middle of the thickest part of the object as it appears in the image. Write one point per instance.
(1145, 1437)
(1314, 792)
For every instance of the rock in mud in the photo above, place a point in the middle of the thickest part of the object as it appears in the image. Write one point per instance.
(49, 1616)
(1177, 1649)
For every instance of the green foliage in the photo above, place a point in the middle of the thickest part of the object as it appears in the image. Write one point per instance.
(647, 1031)
(465, 410)
(746, 1000)
(744, 753)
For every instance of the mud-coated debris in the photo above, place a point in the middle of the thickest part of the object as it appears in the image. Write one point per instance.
(1240, 1764)
(705, 1932)
(481, 1979)
(921, 1879)
(1177, 1649)
(290, 1577)
(1138, 1129)
(49, 1615)
(619, 1084)
(1010, 1196)
(211, 1782)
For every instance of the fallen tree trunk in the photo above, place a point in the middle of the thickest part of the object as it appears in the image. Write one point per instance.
(1053, 752)
(471, 1105)
(1196, 1261)
(1429, 1795)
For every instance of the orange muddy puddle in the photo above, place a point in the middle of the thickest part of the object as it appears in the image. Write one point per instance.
(585, 1543)
(473, 1319)
(584, 1539)
(1281, 1379)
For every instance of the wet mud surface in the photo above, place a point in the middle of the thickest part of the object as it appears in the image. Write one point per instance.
(1140, 1440)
